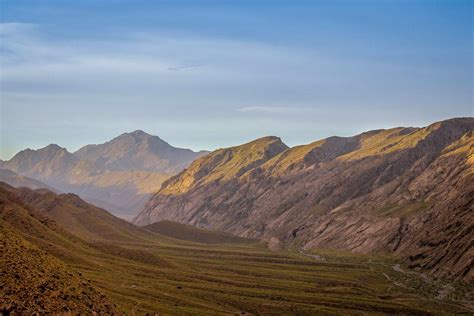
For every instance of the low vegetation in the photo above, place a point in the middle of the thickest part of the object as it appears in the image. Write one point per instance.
(147, 272)
(238, 279)
(194, 234)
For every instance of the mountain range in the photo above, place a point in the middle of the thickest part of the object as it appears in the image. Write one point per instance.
(376, 223)
(405, 191)
(118, 175)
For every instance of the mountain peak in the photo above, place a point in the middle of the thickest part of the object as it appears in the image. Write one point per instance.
(139, 132)
(259, 144)
(226, 163)
(52, 147)
(139, 136)
(267, 139)
(49, 149)
(42, 163)
(138, 150)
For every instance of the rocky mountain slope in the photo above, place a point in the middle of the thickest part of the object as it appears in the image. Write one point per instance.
(407, 191)
(119, 175)
(33, 280)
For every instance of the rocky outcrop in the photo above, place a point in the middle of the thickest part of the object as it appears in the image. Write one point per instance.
(380, 191)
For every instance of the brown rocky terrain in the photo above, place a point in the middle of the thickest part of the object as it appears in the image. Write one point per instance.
(119, 175)
(35, 282)
(31, 279)
(407, 191)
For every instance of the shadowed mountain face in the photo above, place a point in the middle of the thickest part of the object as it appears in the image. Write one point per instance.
(118, 175)
(404, 190)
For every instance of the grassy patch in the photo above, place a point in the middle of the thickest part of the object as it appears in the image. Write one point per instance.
(230, 279)
(402, 210)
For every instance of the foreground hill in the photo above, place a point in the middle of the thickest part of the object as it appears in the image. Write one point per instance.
(34, 280)
(52, 267)
(403, 190)
(119, 175)
(80, 218)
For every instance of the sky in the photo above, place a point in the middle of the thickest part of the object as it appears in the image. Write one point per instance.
(211, 74)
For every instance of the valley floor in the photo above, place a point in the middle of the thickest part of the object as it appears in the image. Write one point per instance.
(187, 278)
(61, 254)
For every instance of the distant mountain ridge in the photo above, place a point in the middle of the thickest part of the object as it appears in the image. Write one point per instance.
(138, 151)
(118, 175)
(15, 180)
(409, 191)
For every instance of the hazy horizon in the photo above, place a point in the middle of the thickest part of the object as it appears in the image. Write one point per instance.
(220, 74)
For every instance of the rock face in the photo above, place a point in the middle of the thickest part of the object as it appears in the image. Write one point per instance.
(119, 175)
(408, 191)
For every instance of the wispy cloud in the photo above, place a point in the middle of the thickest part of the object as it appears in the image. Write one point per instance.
(139, 63)
(16, 28)
(273, 109)
(185, 67)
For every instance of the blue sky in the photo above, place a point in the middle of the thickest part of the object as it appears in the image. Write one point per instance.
(209, 74)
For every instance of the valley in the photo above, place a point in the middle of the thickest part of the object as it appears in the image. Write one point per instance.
(139, 271)
(256, 158)
(235, 279)
(377, 223)
(405, 191)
